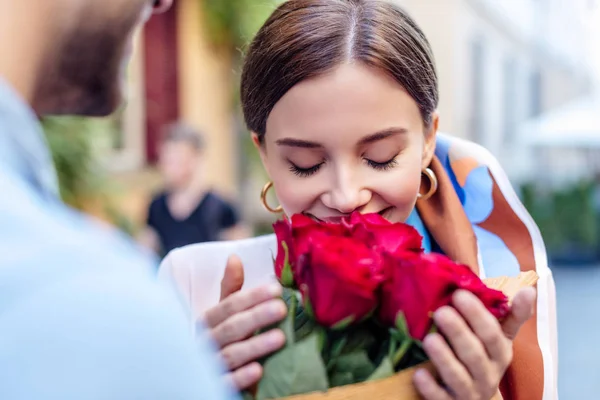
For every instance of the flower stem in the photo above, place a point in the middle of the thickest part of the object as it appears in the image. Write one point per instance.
(402, 352)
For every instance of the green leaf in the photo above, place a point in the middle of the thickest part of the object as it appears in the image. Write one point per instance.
(343, 324)
(296, 369)
(339, 378)
(246, 395)
(308, 309)
(402, 325)
(338, 346)
(287, 276)
(402, 351)
(288, 324)
(303, 324)
(357, 364)
(360, 338)
(384, 370)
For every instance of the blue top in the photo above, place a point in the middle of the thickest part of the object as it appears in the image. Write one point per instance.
(415, 220)
(81, 313)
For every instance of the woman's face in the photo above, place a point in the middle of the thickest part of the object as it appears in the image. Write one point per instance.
(350, 140)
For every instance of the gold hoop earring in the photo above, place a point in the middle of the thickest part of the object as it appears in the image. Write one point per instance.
(263, 199)
(433, 184)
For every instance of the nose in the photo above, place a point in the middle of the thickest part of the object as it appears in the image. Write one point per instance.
(346, 195)
(160, 6)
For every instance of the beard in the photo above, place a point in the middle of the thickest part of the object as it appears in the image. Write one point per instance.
(85, 73)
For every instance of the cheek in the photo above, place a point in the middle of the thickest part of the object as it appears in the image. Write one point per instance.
(295, 195)
(400, 190)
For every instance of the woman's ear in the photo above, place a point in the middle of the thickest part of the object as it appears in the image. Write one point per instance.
(430, 140)
(262, 151)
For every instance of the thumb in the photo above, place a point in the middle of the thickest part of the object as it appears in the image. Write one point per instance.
(233, 278)
(521, 310)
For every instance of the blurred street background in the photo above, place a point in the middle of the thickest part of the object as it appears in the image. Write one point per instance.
(520, 77)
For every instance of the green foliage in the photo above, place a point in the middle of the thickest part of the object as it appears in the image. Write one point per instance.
(231, 24)
(81, 178)
(69, 139)
(566, 217)
(298, 367)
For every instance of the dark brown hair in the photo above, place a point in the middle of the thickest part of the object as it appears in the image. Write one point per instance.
(307, 38)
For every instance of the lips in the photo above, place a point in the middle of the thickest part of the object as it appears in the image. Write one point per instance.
(338, 218)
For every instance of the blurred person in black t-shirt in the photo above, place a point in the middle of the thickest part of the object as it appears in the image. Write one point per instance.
(187, 211)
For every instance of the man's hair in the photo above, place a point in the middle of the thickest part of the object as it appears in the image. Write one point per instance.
(180, 131)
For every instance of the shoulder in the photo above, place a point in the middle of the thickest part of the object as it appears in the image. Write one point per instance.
(196, 270)
(80, 279)
(217, 199)
(42, 242)
(508, 237)
(158, 199)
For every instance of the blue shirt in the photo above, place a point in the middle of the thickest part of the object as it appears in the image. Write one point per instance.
(82, 315)
(415, 220)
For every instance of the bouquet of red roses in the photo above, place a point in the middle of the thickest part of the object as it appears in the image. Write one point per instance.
(360, 298)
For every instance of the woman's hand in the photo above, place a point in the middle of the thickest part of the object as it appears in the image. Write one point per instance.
(478, 349)
(233, 322)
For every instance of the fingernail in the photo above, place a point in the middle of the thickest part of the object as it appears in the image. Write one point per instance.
(275, 338)
(440, 314)
(419, 375)
(277, 308)
(253, 372)
(275, 289)
(462, 297)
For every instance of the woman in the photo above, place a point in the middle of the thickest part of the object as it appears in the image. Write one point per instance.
(341, 97)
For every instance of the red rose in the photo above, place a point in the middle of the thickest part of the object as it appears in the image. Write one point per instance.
(494, 300)
(339, 279)
(421, 283)
(378, 232)
(294, 238)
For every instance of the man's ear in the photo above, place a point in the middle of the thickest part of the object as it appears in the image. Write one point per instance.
(430, 140)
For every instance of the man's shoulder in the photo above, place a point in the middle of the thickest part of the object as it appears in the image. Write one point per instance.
(43, 241)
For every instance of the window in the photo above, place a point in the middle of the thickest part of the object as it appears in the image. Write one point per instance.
(510, 100)
(535, 93)
(477, 91)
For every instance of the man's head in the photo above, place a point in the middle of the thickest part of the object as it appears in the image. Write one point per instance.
(180, 155)
(83, 69)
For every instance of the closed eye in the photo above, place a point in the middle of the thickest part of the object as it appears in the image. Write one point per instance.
(383, 166)
(305, 172)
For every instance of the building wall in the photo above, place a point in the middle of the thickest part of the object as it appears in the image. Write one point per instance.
(206, 95)
(203, 100)
(502, 62)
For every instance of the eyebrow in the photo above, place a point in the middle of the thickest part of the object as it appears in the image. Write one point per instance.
(374, 137)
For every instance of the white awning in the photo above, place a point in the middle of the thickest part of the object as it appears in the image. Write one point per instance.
(576, 125)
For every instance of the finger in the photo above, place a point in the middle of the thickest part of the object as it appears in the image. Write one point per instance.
(453, 373)
(521, 310)
(485, 326)
(465, 344)
(233, 278)
(241, 353)
(243, 324)
(428, 387)
(245, 377)
(241, 301)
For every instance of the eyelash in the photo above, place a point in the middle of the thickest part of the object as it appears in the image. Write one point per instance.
(384, 166)
(306, 172)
